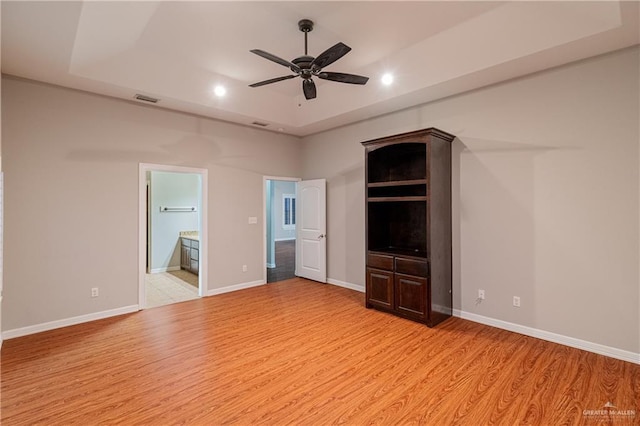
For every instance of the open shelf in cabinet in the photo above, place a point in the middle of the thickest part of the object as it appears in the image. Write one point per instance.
(411, 253)
(393, 191)
(398, 224)
(398, 183)
(395, 199)
(393, 163)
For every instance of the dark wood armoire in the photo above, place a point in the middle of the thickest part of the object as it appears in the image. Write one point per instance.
(408, 221)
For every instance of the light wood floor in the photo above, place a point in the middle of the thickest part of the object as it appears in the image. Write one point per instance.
(298, 352)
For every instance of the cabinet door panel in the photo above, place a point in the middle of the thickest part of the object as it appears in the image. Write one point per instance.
(380, 288)
(185, 257)
(411, 296)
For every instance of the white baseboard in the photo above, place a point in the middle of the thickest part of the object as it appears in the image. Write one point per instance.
(235, 287)
(344, 284)
(552, 337)
(32, 329)
(167, 269)
(284, 239)
(271, 265)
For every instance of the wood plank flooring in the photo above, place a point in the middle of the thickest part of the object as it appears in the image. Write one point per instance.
(303, 353)
(285, 254)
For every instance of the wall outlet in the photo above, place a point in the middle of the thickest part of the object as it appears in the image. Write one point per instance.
(481, 294)
(244, 268)
(94, 292)
(516, 301)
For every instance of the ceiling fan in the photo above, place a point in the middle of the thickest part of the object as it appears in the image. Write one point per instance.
(307, 66)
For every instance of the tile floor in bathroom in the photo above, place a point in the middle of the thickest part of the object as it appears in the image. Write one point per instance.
(164, 288)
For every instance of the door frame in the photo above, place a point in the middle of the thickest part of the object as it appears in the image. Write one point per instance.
(264, 217)
(142, 224)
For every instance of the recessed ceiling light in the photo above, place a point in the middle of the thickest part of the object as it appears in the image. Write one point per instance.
(220, 91)
(387, 79)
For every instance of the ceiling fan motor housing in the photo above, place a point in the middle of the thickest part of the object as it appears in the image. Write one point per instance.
(304, 62)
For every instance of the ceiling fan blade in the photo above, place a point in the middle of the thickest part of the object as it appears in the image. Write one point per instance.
(343, 78)
(272, 80)
(276, 59)
(309, 89)
(330, 55)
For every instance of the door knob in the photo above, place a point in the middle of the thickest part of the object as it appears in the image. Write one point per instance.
(321, 236)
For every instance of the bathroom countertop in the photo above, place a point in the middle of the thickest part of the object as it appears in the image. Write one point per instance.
(191, 235)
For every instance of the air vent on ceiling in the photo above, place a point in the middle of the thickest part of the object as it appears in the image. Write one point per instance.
(259, 123)
(146, 98)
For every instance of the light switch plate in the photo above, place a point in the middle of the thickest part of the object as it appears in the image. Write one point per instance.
(253, 220)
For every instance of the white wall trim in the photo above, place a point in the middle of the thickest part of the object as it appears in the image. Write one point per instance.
(32, 329)
(344, 284)
(235, 287)
(285, 239)
(271, 265)
(167, 269)
(552, 337)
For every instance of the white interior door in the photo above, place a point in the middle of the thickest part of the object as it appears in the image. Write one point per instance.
(311, 230)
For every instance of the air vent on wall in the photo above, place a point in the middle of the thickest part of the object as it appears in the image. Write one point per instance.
(259, 123)
(146, 98)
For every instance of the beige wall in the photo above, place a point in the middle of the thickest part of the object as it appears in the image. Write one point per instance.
(546, 188)
(71, 166)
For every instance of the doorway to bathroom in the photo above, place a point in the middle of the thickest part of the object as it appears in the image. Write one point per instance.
(173, 266)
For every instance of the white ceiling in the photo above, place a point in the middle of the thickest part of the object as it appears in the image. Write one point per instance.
(178, 51)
